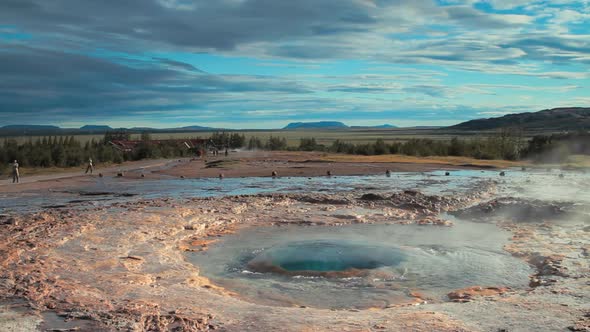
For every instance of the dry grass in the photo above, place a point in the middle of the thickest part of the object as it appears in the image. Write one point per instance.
(422, 160)
(326, 137)
(578, 161)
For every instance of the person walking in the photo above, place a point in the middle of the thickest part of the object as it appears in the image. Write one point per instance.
(15, 173)
(90, 167)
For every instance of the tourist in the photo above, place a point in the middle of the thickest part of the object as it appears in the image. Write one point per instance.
(15, 173)
(90, 167)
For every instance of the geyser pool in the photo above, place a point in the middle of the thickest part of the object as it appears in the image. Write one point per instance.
(360, 266)
(327, 258)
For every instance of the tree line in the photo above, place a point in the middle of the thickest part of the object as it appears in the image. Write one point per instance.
(506, 145)
(501, 147)
(66, 151)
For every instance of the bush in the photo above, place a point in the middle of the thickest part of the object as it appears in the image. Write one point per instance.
(276, 143)
(254, 143)
(309, 144)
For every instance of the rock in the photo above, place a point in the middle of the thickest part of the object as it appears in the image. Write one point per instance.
(583, 324)
(372, 197)
(120, 174)
(8, 221)
(322, 199)
(547, 266)
(135, 258)
(469, 293)
(518, 210)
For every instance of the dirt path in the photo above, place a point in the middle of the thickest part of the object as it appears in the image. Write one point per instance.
(72, 178)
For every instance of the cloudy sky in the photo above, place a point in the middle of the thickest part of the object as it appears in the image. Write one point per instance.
(264, 63)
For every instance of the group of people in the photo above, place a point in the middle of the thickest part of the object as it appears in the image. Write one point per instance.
(215, 152)
(16, 172)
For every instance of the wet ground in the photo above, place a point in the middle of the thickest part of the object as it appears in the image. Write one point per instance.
(101, 191)
(468, 251)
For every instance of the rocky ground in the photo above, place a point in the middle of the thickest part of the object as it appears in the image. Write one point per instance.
(123, 266)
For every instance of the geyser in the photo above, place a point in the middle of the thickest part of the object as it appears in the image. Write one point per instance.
(360, 266)
(327, 258)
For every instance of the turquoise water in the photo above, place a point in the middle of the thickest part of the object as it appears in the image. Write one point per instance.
(315, 257)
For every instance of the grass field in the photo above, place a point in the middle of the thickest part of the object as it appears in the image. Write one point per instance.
(325, 137)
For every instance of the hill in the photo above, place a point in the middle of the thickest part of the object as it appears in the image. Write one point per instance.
(562, 119)
(197, 128)
(18, 130)
(383, 126)
(316, 125)
(30, 127)
(95, 128)
(24, 130)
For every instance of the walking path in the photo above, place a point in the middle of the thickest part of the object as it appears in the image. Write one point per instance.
(126, 167)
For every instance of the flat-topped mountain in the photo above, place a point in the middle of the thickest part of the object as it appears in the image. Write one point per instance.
(574, 118)
(316, 125)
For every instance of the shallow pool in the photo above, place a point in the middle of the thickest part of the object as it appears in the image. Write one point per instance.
(360, 266)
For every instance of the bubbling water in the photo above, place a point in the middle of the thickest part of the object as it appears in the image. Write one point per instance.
(326, 258)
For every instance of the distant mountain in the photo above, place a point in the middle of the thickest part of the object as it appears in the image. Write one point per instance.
(316, 125)
(138, 129)
(574, 118)
(95, 128)
(30, 127)
(194, 128)
(383, 126)
(22, 130)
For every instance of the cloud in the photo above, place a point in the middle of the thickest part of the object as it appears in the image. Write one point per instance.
(472, 17)
(178, 64)
(508, 4)
(49, 83)
(105, 59)
(429, 90)
(304, 30)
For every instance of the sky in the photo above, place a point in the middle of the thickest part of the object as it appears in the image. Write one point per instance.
(264, 63)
